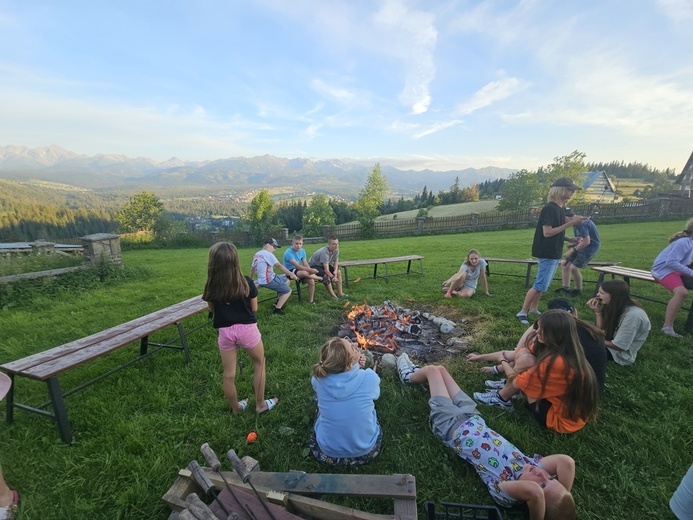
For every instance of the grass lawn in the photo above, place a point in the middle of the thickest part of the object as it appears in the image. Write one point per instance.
(449, 210)
(135, 430)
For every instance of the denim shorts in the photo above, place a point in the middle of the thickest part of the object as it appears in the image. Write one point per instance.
(278, 284)
(546, 268)
(582, 259)
(245, 335)
(447, 414)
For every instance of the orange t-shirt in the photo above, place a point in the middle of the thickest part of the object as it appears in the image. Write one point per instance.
(529, 382)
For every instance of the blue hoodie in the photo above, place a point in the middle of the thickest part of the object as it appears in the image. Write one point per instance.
(347, 425)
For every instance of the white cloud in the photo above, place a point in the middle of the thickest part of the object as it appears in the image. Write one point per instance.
(489, 94)
(339, 94)
(680, 11)
(411, 36)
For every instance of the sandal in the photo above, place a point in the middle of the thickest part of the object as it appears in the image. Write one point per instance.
(10, 512)
(244, 405)
(271, 403)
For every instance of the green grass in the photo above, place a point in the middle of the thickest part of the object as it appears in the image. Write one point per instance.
(135, 430)
(449, 210)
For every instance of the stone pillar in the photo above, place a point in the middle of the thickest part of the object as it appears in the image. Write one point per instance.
(325, 231)
(102, 247)
(41, 247)
(421, 224)
(284, 235)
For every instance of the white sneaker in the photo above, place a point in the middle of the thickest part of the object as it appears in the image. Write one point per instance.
(495, 384)
(493, 398)
(405, 368)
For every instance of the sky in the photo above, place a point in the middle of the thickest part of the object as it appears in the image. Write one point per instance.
(412, 84)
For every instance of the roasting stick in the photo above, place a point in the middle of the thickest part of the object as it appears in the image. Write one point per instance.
(214, 463)
(245, 477)
(202, 480)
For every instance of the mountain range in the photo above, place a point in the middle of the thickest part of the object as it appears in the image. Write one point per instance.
(332, 176)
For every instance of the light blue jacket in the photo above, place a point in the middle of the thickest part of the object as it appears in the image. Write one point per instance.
(347, 425)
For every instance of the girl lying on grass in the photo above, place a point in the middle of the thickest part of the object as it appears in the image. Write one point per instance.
(346, 430)
(511, 477)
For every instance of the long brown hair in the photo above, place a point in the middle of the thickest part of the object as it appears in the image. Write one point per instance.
(620, 300)
(688, 232)
(225, 281)
(559, 332)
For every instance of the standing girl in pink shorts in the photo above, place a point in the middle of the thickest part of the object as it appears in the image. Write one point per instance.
(232, 298)
(672, 269)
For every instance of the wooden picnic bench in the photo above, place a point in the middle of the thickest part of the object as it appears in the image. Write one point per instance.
(48, 365)
(628, 273)
(530, 262)
(384, 261)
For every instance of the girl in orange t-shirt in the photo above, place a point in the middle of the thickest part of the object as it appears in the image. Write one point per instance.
(561, 389)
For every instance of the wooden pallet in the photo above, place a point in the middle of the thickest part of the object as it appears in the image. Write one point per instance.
(299, 493)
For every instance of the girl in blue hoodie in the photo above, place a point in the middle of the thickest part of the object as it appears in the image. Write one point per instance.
(346, 431)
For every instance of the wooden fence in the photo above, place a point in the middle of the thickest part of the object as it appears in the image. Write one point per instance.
(646, 210)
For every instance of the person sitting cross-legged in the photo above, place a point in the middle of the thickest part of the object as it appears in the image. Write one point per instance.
(512, 478)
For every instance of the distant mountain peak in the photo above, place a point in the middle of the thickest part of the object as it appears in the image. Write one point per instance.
(332, 176)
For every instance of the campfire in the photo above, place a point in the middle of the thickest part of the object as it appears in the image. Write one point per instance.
(389, 329)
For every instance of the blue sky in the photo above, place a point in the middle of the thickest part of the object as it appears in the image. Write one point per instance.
(413, 84)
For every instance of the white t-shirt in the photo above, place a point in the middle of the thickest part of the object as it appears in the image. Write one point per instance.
(473, 276)
(631, 332)
(263, 261)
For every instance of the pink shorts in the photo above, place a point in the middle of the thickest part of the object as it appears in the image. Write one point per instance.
(672, 281)
(245, 335)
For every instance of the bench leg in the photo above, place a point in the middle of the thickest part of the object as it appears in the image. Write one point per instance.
(183, 342)
(144, 345)
(56, 395)
(528, 275)
(387, 275)
(375, 270)
(10, 401)
(689, 321)
(298, 291)
(408, 266)
(346, 277)
(599, 284)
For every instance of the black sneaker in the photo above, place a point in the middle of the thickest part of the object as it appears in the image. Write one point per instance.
(575, 292)
(562, 290)
(278, 311)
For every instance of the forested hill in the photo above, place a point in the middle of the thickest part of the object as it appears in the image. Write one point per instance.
(30, 211)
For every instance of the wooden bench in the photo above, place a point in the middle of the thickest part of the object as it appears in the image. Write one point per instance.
(48, 365)
(530, 262)
(384, 261)
(628, 273)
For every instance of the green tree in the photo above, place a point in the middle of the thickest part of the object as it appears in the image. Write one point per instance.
(372, 196)
(261, 216)
(317, 215)
(520, 191)
(142, 212)
(572, 166)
